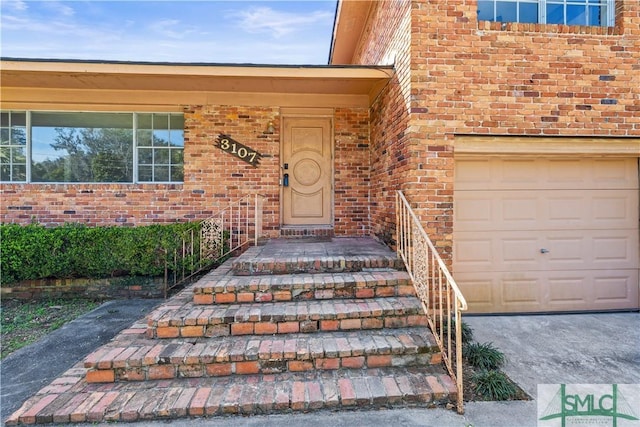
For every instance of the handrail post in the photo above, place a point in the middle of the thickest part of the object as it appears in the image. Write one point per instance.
(255, 221)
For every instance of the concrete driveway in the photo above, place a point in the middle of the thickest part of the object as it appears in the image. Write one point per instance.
(599, 348)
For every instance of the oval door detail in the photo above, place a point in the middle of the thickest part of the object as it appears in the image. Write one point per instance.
(307, 172)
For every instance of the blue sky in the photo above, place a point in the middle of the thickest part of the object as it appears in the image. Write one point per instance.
(257, 32)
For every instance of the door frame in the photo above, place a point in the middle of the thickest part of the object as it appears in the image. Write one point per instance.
(308, 113)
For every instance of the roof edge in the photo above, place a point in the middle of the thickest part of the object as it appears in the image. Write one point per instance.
(186, 64)
(349, 24)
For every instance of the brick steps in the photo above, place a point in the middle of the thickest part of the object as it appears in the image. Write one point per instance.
(246, 395)
(285, 317)
(335, 328)
(254, 263)
(179, 358)
(228, 289)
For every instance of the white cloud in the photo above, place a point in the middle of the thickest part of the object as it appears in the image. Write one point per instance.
(15, 5)
(48, 28)
(267, 20)
(171, 28)
(59, 8)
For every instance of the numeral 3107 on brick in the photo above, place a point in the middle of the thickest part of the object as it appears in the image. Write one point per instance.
(235, 148)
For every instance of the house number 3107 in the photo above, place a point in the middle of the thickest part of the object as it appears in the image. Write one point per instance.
(241, 151)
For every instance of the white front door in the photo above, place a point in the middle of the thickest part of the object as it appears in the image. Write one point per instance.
(307, 163)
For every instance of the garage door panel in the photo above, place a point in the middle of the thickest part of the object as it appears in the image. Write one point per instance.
(542, 234)
(617, 289)
(545, 174)
(614, 208)
(563, 173)
(592, 290)
(590, 249)
(474, 211)
(522, 293)
(474, 174)
(521, 173)
(517, 252)
(615, 173)
(478, 290)
(531, 291)
(475, 253)
(567, 290)
(501, 251)
(613, 251)
(565, 252)
(565, 209)
(504, 251)
(517, 210)
(548, 210)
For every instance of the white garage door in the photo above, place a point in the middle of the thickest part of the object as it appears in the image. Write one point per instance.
(543, 234)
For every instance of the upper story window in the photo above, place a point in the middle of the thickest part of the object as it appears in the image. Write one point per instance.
(569, 12)
(81, 147)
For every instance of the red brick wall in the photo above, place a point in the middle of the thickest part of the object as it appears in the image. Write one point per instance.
(212, 178)
(352, 172)
(387, 41)
(470, 77)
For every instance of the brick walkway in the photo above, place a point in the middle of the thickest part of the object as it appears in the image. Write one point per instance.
(337, 327)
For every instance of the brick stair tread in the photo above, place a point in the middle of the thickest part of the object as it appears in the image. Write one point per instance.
(190, 314)
(253, 262)
(302, 281)
(335, 264)
(77, 401)
(269, 348)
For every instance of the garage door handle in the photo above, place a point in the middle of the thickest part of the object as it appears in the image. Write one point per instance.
(544, 251)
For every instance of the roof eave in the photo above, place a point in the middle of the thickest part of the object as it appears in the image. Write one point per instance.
(349, 23)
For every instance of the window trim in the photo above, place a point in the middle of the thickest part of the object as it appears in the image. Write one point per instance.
(11, 146)
(135, 157)
(542, 11)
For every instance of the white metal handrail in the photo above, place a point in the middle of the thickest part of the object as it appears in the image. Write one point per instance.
(442, 300)
(242, 220)
(236, 225)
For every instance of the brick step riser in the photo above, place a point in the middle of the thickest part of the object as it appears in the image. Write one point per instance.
(308, 234)
(176, 371)
(301, 292)
(255, 395)
(312, 266)
(235, 328)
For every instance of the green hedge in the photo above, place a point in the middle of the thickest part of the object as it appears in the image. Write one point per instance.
(37, 252)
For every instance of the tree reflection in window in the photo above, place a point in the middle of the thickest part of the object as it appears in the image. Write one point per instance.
(99, 147)
(82, 147)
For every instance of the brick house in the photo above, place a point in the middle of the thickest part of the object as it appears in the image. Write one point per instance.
(516, 136)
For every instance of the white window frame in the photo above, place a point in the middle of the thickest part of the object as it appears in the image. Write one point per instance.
(28, 180)
(542, 9)
(10, 146)
(153, 148)
(610, 4)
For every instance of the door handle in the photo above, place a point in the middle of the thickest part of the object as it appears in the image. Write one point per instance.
(544, 251)
(285, 180)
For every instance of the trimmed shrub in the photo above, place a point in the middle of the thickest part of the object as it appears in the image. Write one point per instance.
(35, 252)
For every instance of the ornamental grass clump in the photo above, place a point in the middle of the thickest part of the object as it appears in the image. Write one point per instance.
(483, 356)
(494, 385)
